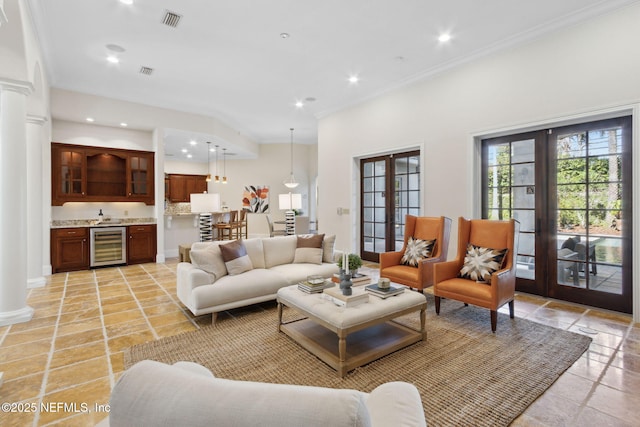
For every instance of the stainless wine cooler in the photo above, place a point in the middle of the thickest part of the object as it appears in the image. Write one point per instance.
(108, 246)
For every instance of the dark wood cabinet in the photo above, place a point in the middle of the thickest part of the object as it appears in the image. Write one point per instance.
(69, 249)
(94, 174)
(68, 169)
(106, 174)
(181, 186)
(141, 244)
(140, 177)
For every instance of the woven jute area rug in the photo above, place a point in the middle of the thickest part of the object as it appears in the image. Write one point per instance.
(466, 375)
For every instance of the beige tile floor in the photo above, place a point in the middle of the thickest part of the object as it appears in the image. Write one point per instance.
(70, 355)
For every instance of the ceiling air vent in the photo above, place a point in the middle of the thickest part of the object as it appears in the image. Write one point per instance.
(146, 70)
(171, 19)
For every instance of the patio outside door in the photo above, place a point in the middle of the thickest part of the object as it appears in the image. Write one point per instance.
(570, 188)
(390, 189)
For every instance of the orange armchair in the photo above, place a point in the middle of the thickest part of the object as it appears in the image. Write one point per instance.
(425, 228)
(500, 286)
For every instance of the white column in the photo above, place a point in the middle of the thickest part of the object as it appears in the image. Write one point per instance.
(13, 206)
(35, 266)
(158, 143)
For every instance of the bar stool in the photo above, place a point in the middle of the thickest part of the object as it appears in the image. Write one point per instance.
(225, 229)
(241, 224)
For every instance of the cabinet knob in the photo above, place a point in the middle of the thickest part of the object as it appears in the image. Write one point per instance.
(131, 237)
(83, 193)
(129, 193)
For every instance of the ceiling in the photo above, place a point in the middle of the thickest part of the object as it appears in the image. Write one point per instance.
(228, 58)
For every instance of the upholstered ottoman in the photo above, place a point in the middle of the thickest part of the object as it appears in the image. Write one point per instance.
(326, 326)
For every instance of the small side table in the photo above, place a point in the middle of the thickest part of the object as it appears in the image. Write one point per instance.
(183, 252)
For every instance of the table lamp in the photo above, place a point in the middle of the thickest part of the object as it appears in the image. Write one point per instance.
(204, 204)
(289, 202)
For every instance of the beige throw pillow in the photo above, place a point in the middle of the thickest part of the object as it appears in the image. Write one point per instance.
(309, 249)
(235, 257)
(209, 260)
(328, 245)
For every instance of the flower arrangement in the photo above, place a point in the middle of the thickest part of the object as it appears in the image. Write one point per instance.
(355, 262)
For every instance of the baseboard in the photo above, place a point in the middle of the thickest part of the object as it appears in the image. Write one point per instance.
(17, 316)
(170, 253)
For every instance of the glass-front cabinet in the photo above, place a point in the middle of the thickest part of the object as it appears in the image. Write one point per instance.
(95, 174)
(140, 178)
(68, 166)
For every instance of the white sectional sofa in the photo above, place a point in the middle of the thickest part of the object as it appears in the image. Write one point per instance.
(187, 394)
(205, 285)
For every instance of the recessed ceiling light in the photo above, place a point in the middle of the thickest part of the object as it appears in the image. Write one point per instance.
(90, 119)
(127, 2)
(123, 124)
(192, 142)
(353, 79)
(445, 37)
(113, 59)
(184, 150)
(299, 104)
(284, 35)
(189, 156)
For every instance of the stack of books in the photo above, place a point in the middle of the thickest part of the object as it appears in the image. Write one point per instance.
(384, 293)
(357, 279)
(315, 288)
(357, 297)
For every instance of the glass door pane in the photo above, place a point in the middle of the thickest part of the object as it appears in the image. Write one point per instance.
(390, 190)
(374, 190)
(407, 194)
(510, 192)
(589, 218)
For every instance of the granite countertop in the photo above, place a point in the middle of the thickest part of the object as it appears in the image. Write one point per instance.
(114, 222)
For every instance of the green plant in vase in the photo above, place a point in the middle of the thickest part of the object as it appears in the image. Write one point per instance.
(355, 262)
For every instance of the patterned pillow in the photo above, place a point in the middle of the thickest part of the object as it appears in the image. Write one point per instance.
(417, 250)
(480, 263)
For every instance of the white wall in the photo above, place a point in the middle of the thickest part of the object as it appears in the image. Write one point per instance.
(69, 105)
(579, 71)
(584, 68)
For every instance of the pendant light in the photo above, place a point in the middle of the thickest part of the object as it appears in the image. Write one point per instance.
(291, 181)
(208, 161)
(217, 177)
(224, 164)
